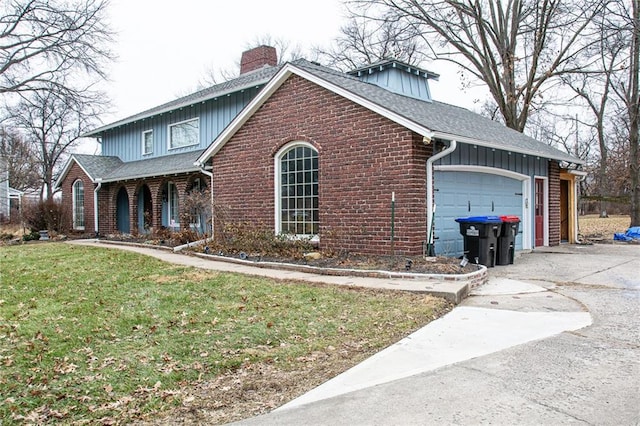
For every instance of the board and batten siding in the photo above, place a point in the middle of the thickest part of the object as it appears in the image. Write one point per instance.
(473, 155)
(215, 114)
(400, 81)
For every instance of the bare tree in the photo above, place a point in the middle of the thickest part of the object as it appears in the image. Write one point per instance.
(44, 40)
(364, 41)
(53, 122)
(517, 48)
(287, 51)
(594, 91)
(20, 160)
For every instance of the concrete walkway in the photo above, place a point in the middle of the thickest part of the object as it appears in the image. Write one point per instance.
(451, 290)
(465, 333)
(510, 354)
(501, 314)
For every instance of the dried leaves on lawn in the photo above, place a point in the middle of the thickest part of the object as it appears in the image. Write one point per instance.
(94, 335)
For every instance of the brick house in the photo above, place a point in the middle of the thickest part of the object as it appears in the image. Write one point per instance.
(318, 153)
(147, 165)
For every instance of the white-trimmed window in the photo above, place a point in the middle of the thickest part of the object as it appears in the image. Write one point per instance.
(297, 206)
(77, 195)
(147, 142)
(173, 213)
(184, 133)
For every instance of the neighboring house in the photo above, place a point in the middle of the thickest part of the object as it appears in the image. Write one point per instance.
(5, 206)
(310, 151)
(15, 203)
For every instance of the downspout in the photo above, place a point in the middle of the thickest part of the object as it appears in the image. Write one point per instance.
(210, 174)
(430, 204)
(95, 206)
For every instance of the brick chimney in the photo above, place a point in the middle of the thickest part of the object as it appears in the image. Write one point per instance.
(257, 58)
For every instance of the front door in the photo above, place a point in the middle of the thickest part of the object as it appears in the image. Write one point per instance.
(539, 213)
(564, 210)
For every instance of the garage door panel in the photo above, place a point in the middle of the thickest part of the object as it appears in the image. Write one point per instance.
(484, 193)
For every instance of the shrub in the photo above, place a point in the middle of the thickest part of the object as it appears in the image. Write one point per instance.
(48, 214)
(235, 238)
(4, 236)
(33, 236)
(184, 236)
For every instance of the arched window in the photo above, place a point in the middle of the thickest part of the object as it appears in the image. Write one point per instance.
(77, 195)
(297, 210)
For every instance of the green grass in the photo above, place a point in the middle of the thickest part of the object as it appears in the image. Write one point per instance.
(88, 333)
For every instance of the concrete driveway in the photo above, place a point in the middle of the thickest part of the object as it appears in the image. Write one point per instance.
(588, 375)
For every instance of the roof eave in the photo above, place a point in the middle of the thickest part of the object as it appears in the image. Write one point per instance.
(494, 145)
(149, 175)
(66, 168)
(276, 82)
(97, 132)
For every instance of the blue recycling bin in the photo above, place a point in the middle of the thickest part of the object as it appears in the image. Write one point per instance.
(480, 235)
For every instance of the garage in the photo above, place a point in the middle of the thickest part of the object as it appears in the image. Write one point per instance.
(470, 193)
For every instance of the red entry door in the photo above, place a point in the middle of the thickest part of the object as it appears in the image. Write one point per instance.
(539, 212)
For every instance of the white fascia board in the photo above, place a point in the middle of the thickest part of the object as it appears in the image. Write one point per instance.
(276, 82)
(244, 115)
(135, 118)
(473, 141)
(66, 168)
(580, 173)
(403, 121)
(150, 175)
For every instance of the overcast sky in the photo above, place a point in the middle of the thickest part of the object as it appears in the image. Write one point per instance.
(165, 48)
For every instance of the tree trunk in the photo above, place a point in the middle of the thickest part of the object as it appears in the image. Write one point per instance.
(602, 177)
(634, 116)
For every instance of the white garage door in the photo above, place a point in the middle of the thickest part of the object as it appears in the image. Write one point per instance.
(462, 194)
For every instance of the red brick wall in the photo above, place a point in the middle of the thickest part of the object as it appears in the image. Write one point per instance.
(554, 203)
(75, 173)
(107, 199)
(363, 158)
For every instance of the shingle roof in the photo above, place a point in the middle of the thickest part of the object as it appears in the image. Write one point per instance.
(244, 81)
(440, 117)
(110, 169)
(97, 166)
(157, 166)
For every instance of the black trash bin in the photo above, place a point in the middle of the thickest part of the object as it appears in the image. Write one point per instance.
(480, 238)
(507, 240)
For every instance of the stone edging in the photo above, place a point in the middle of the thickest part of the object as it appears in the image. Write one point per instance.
(473, 279)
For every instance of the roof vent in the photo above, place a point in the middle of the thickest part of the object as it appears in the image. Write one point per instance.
(398, 77)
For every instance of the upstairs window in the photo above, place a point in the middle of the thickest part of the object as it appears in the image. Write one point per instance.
(77, 195)
(185, 133)
(147, 142)
(297, 190)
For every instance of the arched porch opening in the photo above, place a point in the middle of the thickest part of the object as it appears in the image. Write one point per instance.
(145, 210)
(123, 223)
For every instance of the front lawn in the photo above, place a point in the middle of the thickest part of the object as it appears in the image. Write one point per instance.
(102, 335)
